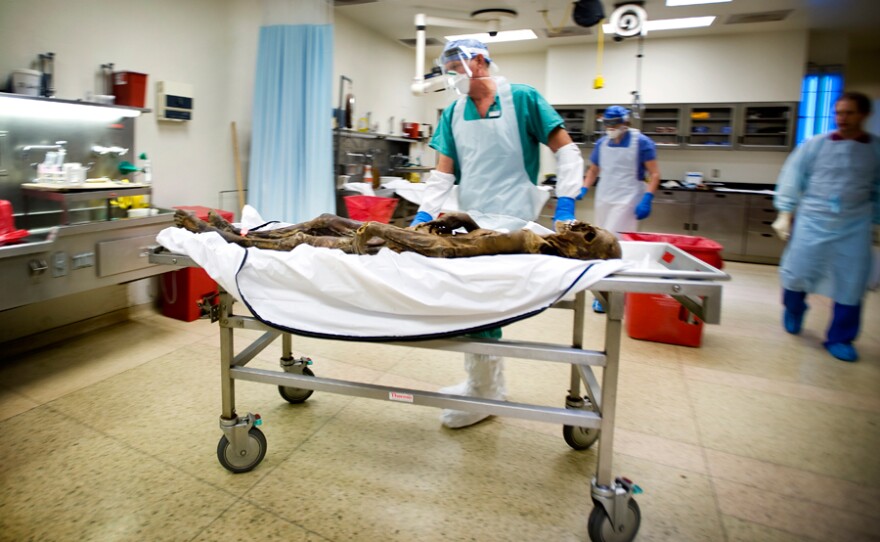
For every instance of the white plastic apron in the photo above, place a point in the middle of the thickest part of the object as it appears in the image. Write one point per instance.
(829, 252)
(494, 181)
(619, 190)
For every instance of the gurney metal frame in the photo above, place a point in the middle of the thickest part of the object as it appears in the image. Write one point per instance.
(615, 515)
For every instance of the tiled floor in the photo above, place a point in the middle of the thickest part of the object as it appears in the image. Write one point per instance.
(757, 435)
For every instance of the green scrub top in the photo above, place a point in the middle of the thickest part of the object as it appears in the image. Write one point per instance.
(535, 116)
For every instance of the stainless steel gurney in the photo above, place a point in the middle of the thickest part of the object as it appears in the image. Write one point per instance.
(656, 268)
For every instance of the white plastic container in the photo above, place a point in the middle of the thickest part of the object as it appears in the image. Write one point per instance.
(26, 82)
(693, 179)
(74, 173)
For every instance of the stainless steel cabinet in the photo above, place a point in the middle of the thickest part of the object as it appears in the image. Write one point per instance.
(722, 218)
(762, 243)
(717, 216)
(671, 212)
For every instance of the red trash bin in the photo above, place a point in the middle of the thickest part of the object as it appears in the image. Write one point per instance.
(370, 208)
(660, 318)
(185, 291)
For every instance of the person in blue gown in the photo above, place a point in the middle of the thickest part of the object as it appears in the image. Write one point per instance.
(828, 198)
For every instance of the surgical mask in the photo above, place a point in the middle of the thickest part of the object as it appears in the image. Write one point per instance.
(613, 133)
(460, 82)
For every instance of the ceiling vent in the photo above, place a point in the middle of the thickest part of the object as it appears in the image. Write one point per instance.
(343, 3)
(411, 42)
(762, 17)
(567, 32)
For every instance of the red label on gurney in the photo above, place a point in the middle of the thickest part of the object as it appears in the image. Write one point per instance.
(668, 257)
(402, 397)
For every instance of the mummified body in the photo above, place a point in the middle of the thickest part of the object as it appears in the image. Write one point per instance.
(435, 239)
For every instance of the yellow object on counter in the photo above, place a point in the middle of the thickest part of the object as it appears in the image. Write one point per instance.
(130, 202)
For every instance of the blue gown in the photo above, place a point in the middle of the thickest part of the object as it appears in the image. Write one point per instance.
(832, 186)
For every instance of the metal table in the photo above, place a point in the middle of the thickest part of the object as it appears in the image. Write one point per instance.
(590, 408)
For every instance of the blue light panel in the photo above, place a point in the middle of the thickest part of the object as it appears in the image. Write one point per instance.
(816, 112)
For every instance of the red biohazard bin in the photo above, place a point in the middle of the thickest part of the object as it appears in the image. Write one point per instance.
(185, 291)
(370, 208)
(660, 318)
(130, 88)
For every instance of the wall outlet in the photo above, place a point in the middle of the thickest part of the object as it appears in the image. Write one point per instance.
(715, 173)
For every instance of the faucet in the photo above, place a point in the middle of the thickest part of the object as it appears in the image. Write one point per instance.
(59, 145)
(100, 150)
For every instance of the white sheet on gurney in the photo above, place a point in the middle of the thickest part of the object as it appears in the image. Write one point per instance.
(389, 295)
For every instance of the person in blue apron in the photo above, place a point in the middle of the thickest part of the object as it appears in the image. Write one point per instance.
(488, 143)
(831, 184)
(623, 156)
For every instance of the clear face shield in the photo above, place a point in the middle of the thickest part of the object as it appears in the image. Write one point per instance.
(454, 66)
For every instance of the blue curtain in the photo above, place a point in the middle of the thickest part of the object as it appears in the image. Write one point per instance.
(291, 169)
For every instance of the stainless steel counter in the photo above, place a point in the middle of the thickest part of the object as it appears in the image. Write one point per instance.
(69, 259)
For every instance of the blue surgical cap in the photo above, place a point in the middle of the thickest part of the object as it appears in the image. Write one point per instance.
(616, 114)
(466, 47)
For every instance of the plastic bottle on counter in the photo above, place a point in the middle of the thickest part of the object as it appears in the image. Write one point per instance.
(146, 168)
(368, 175)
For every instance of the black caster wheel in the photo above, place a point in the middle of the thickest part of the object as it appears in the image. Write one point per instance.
(600, 528)
(579, 438)
(296, 395)
(250, 458)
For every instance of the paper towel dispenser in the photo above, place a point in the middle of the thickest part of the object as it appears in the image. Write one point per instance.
(174, 101)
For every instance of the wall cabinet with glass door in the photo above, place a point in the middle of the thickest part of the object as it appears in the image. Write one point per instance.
(577, 123)
(709, 126)
(662, 124)
(768, 126)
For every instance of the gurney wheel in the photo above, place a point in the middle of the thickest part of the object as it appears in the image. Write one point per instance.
(296, 395)
(256, 451)
(600, 528)
(579, 438)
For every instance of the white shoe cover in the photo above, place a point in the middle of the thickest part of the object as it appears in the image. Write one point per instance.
(485, 379)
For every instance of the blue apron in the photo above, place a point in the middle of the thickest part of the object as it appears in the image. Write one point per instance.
(829, 252)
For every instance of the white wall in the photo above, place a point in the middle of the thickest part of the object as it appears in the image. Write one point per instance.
(703, 69)
(170, 40)
(765, 67)
(381, 71)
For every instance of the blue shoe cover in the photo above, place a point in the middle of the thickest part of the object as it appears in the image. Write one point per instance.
(842, 351)
(597, 307)
(792, 322)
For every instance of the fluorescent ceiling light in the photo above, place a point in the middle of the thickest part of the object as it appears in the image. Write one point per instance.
(669, 24)
(674, 3)
(504, 35)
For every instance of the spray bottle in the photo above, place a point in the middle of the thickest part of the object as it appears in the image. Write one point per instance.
(146, 168)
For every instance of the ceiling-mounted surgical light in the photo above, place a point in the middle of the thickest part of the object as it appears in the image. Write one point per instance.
(669, 24)
(20, 106)
(503, 35)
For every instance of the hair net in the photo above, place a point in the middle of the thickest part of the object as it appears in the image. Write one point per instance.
(464, 50)
(615, 115)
